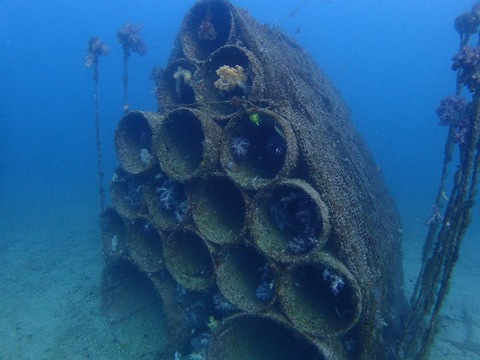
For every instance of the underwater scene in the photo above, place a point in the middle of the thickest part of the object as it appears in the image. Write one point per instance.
(239, 180)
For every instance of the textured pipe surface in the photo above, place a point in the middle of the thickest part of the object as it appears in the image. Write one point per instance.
(280, 200)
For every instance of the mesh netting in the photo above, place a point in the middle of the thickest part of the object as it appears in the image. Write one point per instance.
(260, 143)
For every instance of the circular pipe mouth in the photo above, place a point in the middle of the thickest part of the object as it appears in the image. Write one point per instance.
(186, 144)
(127, 194)
(246, 279)
(260, 147)
(167, 202)
(321, 298)
(290, 222)
(188, 260)
(207, 26)
(113, 234)
(129, 300)
(145, 246)
(250, 337)
(180, 144)
(229, 74)
(175, 86)
(133, 141)
(218, 209)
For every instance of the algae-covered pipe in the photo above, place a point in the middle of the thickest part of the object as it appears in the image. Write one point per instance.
(175, 87)
(260, 147)
(218, 209)
(113, 234)
(207, 26)
(188, 259)
(167, 201)
(266, 337)
(133, 141)
(321, 297)
(186, 144)
(145, 246)
(127, 194)
(289, 221)
(246, 278)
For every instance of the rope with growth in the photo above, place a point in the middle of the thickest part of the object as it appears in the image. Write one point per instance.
(446, 232)
(131, 40)
(97, 48)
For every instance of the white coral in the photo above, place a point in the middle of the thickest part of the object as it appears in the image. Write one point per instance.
(117, 178)
(145, 156)
(240, 146)
(179, 75)
(197, 356)
(114, 244)
(335, 281)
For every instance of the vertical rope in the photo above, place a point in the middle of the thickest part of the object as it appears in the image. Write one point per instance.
(442, 245)
(125, 79)
(97, 48)
(101, 189)
(455, 223)
(131, 41)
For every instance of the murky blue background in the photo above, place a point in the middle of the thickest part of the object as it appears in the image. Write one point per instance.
(390, 61)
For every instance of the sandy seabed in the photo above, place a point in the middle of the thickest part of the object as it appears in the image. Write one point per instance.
(51, 304)
(458, 335)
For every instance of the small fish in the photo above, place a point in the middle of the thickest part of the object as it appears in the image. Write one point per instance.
(255, 118)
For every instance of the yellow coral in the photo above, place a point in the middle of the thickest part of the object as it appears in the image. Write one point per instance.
(231, 77)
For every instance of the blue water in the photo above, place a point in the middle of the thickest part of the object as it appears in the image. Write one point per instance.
(390, 60)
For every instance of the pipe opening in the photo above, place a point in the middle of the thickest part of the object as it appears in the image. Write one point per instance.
(219, 210)
(207, 27)
(246, 278)
(227, 73)
(127, 194)
(257, 149)
(133, 308)
(320, 299)
(296, 219)
(167, 201)
(113, 233)
(175, 87)
(188, 260)
(180, 144)
(133, 141)
(250, 337)
(290, 221)
(145, 246)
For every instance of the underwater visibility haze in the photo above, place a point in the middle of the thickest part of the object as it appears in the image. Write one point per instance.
(245, 180)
